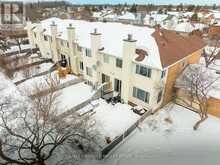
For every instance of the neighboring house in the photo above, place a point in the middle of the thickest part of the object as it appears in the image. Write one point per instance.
(155, 19)
(184, 95)
(216, 16)
(139, 63)
(188, 27)
(131, 18)
(105, 15)
(170, 22)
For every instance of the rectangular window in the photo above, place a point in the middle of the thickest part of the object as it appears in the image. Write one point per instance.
(118, 63)
(141, 94)
(159, 96)
(61, 42)
(163, 73)
(88, 53)
(81, 65)
(45, 38)
(35, 35)
(79, 48)
(67, 44)
(144, 71)
(106, 58)
(89, 71)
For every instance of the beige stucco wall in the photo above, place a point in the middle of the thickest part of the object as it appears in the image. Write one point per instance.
(126, 74)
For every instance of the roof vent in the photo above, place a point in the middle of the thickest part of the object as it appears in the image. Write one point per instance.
(95, 31)
(53, 23)
(70, 25)
(130, 37)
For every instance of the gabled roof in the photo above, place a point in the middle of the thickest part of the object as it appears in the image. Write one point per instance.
(174, 47)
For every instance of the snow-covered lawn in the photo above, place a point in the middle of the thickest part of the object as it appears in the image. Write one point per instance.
(32, 84)
(73, 95)
(215, 65)
(113, 120)
(160, 143)
(16, 48)
(19, 75)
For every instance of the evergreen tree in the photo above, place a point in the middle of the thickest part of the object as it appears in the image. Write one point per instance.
(133, 8)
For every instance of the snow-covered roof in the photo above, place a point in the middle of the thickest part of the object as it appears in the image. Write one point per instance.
(127, 16)
(111, 16)
(112, 36)
(188, 14)
(96, 14)
(156, 17)
(217, 15)
(175, 13)
(189, 27)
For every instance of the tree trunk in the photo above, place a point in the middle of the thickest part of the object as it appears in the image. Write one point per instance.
(19, 45)
(41, 162)
(196, 126)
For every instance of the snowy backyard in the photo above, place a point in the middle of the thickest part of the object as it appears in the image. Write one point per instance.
(113, 120)
(20, 75)
(73, 95)
(170, 142)
(33, 84)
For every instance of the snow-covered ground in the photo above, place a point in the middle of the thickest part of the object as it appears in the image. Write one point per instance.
(159, 143)
(19, 75)
(215, 68)
(73, 95)
(16, 48)
(113, 120)
(32, 84)
(215, 65)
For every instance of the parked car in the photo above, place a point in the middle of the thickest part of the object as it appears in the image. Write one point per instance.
(138, 110)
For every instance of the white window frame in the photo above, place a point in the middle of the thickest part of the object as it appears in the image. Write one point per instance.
(140, 69)
(119, 66)
(88, 52)
(136, 94)
(89, 71)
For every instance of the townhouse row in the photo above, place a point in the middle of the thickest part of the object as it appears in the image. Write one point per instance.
(138, 63)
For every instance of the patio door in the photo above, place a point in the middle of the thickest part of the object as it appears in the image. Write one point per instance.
(117, 85)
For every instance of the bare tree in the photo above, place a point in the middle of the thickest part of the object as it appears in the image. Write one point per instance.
(3, 46)
(32, 134)
(197, 81)
(212, 53)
